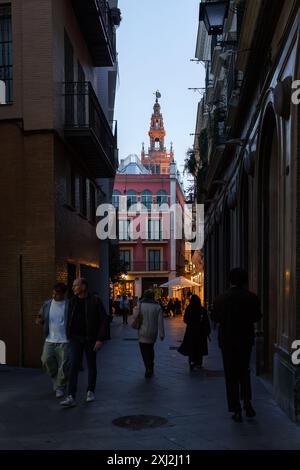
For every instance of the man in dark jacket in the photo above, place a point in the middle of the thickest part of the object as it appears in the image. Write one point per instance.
(236, 311)
(86, 330)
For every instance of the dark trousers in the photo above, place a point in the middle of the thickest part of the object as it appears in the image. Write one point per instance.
(77, 347)
(196, 359)
(147, 350)
(237, 377)
(125, 315)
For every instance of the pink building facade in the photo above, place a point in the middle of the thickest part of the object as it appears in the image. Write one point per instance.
(154, 255)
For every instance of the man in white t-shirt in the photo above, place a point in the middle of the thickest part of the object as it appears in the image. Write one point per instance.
(55, 356)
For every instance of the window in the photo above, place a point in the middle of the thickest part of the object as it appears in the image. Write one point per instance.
(92, 203)
(146, 199)
(131, 198)
(125, 259)
(157, 144)
(154, 260)
(124, 230)
(83, 194)
(154, 232)
(161, 197)
(6, 60)
(116, 199)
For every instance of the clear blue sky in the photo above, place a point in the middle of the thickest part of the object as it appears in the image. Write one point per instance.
(155, 41)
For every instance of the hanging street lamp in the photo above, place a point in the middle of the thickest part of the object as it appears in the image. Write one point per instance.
(214, 15)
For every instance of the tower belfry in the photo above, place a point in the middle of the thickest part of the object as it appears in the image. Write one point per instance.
(157, 160)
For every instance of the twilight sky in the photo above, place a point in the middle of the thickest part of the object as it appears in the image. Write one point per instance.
(155, 42)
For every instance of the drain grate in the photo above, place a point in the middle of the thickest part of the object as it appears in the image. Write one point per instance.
(137, 422)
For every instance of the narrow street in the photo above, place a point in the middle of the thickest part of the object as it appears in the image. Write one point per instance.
(193, 405)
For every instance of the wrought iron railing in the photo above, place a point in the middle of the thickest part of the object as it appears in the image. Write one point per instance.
(105, 12)
(83, 111)
(148, 266)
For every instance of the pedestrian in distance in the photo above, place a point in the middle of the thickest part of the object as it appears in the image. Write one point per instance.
(125, 309)
(197, 333)
(236, 311)
(55, 356)
(87, 331)
(152, 325)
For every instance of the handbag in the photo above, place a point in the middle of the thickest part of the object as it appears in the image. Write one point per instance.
(137, 322)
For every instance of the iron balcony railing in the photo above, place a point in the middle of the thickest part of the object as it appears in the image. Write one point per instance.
(95, 18)
(147, 266)
(105, 12)
(83, 112)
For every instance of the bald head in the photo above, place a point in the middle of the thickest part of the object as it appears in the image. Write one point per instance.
(80, 287)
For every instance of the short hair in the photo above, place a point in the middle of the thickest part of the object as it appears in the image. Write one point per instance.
(195, 301)
(238, 277)
(149, 294)
(60, 287)
(84, 282)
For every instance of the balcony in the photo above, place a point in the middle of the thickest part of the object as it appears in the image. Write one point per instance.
(145, 266)
(97, 26)
(87, 130)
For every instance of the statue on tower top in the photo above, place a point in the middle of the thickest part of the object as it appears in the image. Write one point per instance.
(158, 95)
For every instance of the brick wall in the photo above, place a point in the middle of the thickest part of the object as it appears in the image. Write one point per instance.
(27, 238)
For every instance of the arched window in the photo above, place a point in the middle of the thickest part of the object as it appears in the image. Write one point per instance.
(157, 144)
(116, 199)
(161, 197)
(146, 198)
(131, 198)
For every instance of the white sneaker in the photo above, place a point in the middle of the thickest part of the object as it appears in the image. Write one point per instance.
(90, 397)
(59, 393)
(68, 402)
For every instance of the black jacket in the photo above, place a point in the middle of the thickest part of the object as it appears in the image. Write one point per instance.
(96, 318)
(196, 333)
(236, 311)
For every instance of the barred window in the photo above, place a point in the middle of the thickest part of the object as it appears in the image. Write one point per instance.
(6, 60)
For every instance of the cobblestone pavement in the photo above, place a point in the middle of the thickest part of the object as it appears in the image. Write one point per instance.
(192, 405)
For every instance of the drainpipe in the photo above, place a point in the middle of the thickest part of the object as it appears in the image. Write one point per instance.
(21, 311)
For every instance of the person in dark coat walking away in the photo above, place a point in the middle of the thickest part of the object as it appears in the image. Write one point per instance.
(236, 311)
(194, 343)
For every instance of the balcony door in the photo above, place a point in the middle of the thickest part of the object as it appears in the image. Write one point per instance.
(125, 259)
(154, 260)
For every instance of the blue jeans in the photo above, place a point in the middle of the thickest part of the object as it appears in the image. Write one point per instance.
(79, 345)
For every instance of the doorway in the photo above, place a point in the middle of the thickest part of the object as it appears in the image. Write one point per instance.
(268, 226)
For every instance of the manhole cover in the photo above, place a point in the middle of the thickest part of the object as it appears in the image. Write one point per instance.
(137, 422)
(130, 339)
(214, 373)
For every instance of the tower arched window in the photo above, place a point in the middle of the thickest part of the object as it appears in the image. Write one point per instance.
(161, 197)
(116, 199)
(146, 198)
(157, 144)
(131, 198)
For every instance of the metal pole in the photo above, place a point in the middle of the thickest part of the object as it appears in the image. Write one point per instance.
(21, 312)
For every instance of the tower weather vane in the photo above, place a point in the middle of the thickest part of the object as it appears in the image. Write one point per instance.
(157, 94)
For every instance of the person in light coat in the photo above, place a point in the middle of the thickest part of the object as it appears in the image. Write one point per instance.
(152, 326)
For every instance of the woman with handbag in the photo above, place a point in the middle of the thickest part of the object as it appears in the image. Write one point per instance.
(149, 323)
(197, 332)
